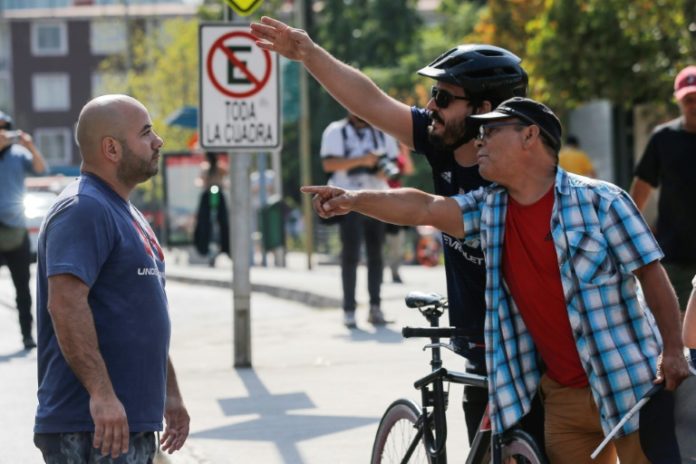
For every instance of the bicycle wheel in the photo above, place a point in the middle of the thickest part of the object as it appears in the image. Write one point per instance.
(519, 445)
(396, 433)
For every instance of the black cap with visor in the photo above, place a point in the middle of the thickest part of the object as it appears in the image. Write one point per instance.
(527, 110)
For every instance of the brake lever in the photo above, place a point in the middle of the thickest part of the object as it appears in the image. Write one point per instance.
(449, 346)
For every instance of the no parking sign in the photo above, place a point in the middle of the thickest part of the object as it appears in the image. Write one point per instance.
(239, 90)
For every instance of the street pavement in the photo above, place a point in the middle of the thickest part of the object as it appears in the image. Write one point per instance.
(315, 391)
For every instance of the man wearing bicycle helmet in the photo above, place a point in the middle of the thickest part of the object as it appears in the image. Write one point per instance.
(470, 79)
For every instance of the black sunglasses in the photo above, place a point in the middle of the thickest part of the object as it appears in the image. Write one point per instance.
(442, 97)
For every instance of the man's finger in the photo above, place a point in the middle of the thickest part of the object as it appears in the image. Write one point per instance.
(272, 22)
(98, 435)
(116, 449)
(107, 440)
(125, 438)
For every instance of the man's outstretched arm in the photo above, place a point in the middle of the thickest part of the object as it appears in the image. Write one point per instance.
(350, 87)
(404, 206)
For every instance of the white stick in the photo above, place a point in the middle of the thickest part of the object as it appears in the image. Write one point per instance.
(623, 420)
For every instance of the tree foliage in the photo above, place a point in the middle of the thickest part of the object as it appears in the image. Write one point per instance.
(626, 51)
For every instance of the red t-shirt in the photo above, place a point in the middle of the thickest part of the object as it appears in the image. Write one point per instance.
(530, 268)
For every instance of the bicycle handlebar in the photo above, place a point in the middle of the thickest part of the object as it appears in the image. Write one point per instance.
(434, 332)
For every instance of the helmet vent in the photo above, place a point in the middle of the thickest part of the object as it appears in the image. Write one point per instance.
(489, 52)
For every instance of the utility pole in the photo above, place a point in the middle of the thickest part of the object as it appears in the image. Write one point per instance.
(305, 145)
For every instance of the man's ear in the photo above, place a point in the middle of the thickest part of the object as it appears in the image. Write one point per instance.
(486, 107)
(532, 133)
(111, 148)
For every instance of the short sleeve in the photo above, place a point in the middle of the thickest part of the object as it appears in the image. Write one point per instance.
(79, 239)
(391, 147)
(470, 207)
(648, 168)
(421, 120)
(632, 243)
(332, 142)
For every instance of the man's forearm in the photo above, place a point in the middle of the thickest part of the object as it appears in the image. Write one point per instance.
(356, 92)
(412, 207)
(172, 383)
(77, 338)
(640, 192)
(662, 302)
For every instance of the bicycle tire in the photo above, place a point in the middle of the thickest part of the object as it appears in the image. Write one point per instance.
(395, 434)
(519, 445)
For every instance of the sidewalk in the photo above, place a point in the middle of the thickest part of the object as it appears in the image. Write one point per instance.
(316, 390)
(319, 287)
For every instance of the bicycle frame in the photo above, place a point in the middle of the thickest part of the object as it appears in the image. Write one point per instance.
(429, 419)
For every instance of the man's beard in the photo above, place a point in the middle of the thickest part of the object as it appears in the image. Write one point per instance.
(453, 136)
(133, 170)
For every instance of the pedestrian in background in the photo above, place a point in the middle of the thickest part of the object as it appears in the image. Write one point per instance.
(562, 258)
(104, 373)
(669, 162)
(469, 79)
(212, 219)
(573, 159)
(18, 157)
(395, 235)
(356, 155)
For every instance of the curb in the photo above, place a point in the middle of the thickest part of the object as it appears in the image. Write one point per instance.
(300, 296)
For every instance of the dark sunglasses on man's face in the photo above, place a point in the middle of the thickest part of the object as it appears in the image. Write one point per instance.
(442, 97)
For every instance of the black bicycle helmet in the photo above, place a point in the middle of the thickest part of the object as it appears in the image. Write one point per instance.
(480, 70)
(4, 117)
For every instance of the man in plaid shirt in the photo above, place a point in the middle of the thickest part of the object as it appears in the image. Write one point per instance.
(564, 255)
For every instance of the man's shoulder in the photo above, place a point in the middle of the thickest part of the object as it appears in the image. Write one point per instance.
(82, 197)
(587, 186)
(668, 128)
(336, 125)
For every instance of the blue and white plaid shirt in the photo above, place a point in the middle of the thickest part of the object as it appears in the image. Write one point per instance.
(600, 238)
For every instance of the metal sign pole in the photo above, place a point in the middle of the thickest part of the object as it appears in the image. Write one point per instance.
(240, 231)
(240, 239)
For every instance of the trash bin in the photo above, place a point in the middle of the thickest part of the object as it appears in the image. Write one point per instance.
(272, 226)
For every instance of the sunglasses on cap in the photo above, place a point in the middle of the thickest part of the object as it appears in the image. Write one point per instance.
(486, 130)
(442, 97)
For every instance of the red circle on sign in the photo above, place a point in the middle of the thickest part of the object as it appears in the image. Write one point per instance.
(258, 84)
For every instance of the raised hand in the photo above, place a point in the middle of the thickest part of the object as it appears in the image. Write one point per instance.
(277, 36)
(329, 201)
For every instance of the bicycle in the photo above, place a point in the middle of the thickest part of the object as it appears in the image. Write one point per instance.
(409, 433)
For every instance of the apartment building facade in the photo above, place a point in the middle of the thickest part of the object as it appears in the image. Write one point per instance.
(50, 55)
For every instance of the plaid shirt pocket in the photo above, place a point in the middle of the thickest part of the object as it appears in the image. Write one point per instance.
(590, 258)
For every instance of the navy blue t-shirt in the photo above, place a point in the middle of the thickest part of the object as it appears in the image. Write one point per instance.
(94, 234)
(464, 261)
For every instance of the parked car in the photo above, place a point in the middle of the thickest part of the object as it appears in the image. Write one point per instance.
(36, 205)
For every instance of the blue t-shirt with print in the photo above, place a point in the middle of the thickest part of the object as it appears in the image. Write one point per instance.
(95, 235)
(465, 266)
(15, 163)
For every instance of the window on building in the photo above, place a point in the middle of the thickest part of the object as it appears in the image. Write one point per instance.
(108, 37)
(103, 83)
(49, 38)
(51, 91)
(55, 144)
(5, 92)
(4, 46)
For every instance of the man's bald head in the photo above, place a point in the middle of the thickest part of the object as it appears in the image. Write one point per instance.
(104, 116)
